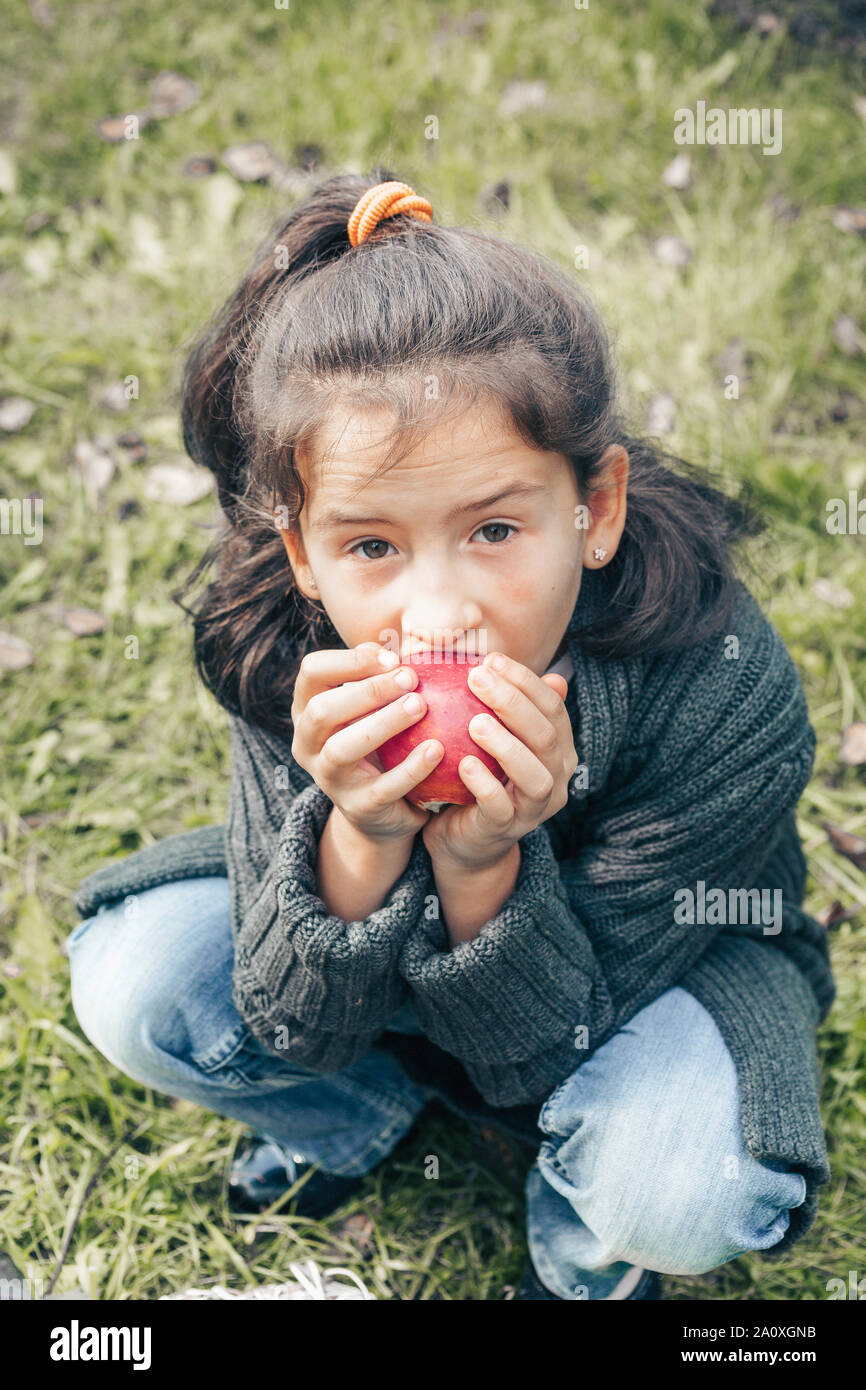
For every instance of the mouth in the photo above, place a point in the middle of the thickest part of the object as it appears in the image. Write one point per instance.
(442, 654)
(442, 659)
(463, 650)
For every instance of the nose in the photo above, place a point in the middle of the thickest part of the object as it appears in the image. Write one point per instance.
(443, 619)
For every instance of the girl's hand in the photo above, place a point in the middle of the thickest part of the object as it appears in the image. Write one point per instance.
(335, 687)
(536, 750)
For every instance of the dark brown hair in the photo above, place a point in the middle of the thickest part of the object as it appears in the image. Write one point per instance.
(420, 319)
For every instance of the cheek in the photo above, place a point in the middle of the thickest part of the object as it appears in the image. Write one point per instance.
(520, 592)
(540, 591)
(526, 587)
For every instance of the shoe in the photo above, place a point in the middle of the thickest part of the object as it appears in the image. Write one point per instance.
(649, 1286)
(262, 1171)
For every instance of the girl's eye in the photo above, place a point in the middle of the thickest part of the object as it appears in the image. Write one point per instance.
(372, 541)
(488, 526)
(497, 526)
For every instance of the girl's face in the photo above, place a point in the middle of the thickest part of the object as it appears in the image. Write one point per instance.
(474, 541)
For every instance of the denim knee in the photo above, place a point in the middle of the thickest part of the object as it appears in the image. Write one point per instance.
(681, 1218)
(152, 974)
(646, 1147)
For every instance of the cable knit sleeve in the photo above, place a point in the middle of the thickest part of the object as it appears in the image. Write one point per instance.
(312, 988)
(584, 942)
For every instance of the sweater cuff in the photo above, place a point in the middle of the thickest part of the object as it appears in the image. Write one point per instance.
(296, 960)
(197, 853)
(515, 993)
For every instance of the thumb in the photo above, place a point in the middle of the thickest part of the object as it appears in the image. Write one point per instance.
(561, 688)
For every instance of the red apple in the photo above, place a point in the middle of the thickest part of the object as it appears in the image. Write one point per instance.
(450, 706)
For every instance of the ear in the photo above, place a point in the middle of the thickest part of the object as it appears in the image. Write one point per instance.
(297, 555)
(608, 508)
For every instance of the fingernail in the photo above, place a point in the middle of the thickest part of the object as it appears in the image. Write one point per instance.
(497, 662)
(484, 723)
(412, 704)
(481, 677)
(388, 659)
(405, 680)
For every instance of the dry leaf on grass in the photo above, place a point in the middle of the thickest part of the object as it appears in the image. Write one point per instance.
(114, 129)
(847, 335)
(357, 1229)
(661, 414)
(853, 847)
(251, 162)
(672, 251)
(171, 92)
(133, 445)
(831, 916)
(15, 413)
(853, 750)
(95, 467)
(114, 398)
(522, 96)
(198, 166)
(497, 1147)
(176, 484)
(834, 594)
(848, 219)
(678, 173)
(14, 652)
(84, 622)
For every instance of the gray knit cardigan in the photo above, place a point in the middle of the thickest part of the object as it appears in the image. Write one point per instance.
(690, 766)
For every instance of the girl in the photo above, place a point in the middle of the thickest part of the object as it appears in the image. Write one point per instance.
(418, 447)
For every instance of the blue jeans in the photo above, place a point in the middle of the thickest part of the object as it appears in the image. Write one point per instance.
(643, 1161)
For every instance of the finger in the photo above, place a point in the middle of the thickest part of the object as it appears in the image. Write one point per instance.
(536, 689)
(532, 779)
(321, 670)
(550, 678)
(334, 708)
(491, 796)
(356, 741)
(519, 703)
(390, 786)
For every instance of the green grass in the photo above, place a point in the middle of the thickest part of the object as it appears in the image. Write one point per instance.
(125, 260)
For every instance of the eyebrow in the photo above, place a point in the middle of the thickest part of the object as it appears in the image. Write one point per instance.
(333, 516)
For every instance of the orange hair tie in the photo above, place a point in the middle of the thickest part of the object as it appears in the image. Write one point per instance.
(386, 200)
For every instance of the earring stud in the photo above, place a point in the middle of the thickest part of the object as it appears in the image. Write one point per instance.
(598, 553)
